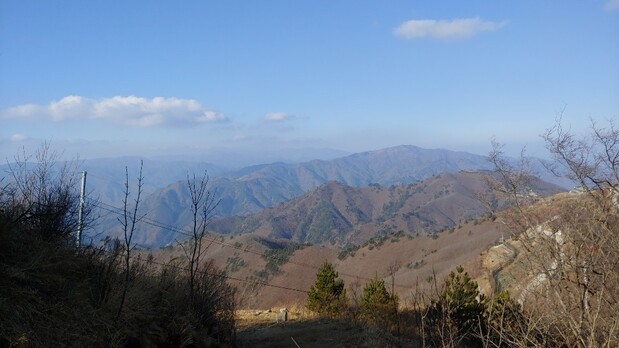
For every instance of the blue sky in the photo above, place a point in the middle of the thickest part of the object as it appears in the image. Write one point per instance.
(150, 78)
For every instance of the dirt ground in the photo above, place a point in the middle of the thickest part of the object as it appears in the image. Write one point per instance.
(259, 329)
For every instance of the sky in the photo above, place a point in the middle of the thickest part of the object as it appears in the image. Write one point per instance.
(301, 78)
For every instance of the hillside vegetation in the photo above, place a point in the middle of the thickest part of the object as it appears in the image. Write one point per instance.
(255, 188)
(341, 215)
(553, 277)
(53, 293)
(534, 271)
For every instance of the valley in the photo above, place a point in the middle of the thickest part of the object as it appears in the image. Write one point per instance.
(404, 214)
(251, 190)
(503, 228)
(411, 235)
(304, 174)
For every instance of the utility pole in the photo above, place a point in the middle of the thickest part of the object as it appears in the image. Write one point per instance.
(80, 218)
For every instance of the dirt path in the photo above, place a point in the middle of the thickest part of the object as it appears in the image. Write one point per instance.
(494, 261)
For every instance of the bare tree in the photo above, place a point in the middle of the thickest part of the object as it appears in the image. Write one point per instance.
(44, 191)
(512, 182)
(571, 259)
(129, 220)
(52, 293)
(202, 206)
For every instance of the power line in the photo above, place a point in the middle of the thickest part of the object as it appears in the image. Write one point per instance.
(155, 223)
(162, 225)
(181, 231)
(220, 275)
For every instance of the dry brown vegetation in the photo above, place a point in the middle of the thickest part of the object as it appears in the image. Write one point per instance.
(257, 328)
(567, 272)
(551, 282)
(53, 293)
(560, 261)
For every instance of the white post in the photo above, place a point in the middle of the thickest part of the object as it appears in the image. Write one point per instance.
(80, 221)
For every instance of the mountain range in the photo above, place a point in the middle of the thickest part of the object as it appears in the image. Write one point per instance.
(377, 212)
(368, 184)
(338, 214)
(252, 189)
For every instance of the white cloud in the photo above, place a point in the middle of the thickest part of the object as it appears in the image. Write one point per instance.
(611, 5)
(18, 137)
(278, 117)
(130, 110)
(71, 106)
(463, 28)
(24, 111)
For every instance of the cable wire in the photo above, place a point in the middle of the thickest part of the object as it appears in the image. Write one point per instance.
(116, 210)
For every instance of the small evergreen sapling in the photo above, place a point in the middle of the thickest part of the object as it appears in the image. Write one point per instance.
(327, 296)
(459, 310)
(377, 304)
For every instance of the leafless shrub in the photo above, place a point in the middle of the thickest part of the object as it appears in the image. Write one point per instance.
(572, 246)
(55, 294)
(41, 191)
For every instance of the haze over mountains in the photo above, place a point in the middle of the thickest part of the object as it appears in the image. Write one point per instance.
(358, 196)
(359, 211)
(252, 189)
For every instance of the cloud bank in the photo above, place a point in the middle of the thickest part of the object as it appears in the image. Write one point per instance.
(455, 29)
(129, 110)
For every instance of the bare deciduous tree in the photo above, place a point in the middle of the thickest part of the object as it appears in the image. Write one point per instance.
(202, 205)
(129, 220)
(571, 258)
(45, 191)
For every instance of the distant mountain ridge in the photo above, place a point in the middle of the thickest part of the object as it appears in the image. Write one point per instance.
(250, 190)
(394, 165)
(255, 188)
(338, 214)
(259, 187)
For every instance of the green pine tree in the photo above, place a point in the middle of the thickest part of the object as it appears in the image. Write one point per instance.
(377, 304)
(459, 310)
(327, 296)
(505, 321)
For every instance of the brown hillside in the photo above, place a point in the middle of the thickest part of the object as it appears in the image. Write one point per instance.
(339, 215)
(413, 260)
(274, 269)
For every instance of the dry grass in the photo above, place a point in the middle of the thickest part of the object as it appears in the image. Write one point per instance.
(258, 328)
(309, 333)
(251, 318)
